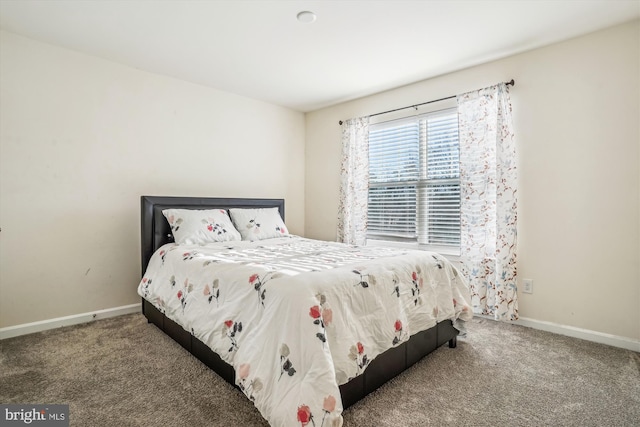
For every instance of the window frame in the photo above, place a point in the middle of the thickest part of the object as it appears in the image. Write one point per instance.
(440, 108)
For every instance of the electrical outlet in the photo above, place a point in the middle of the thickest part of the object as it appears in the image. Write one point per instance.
(527, 286)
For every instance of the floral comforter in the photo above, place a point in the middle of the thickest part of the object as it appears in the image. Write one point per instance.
(298, 317)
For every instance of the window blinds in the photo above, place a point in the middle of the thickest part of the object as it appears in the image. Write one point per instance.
(414, 180)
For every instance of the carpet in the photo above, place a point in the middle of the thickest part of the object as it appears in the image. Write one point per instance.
(125, 372)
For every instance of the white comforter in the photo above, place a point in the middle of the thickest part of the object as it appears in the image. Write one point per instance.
(297, 317)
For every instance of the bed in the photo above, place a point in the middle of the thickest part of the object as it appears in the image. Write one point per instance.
(321, 358)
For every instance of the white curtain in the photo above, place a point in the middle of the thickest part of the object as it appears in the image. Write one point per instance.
(354, 184)
(488, 196)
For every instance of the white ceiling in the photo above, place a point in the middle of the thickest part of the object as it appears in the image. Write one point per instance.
(355, 48)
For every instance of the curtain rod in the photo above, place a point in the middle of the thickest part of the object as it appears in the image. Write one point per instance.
(509, 83)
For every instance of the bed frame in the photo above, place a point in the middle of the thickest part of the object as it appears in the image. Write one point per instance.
(155, 232)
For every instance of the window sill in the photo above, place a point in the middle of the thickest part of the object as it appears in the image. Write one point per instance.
(452, 254)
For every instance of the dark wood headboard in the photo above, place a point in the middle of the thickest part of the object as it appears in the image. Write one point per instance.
(155, 230)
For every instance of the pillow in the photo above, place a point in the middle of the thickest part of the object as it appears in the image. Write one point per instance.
(258, 224)
(199, 227)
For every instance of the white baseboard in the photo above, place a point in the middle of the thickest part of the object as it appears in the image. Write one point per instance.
(43, 325)
(585, 334)
(571, 331)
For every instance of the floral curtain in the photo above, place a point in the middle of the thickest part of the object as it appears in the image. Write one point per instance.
(354, 184)
(488, 211)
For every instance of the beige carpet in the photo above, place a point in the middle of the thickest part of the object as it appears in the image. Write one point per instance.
(125, 372)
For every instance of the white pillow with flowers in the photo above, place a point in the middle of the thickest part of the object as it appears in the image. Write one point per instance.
(259, 223)
(199, 227)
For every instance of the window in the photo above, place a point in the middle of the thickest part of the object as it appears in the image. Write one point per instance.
(414, 180)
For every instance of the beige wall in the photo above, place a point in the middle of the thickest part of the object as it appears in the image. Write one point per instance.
(82, 138)
(77, 133)
(576, 112)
